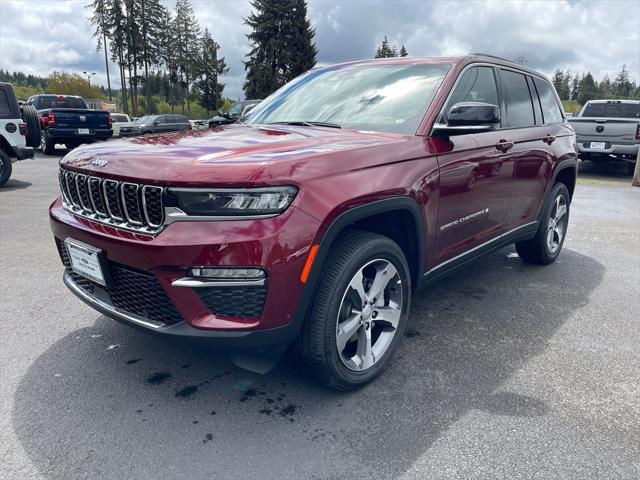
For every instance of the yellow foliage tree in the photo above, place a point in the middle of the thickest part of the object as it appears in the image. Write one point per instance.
(66, 83)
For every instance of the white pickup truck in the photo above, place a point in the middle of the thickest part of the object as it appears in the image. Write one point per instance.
(608, 130)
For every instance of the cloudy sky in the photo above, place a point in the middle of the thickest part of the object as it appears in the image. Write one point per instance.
(39, 36)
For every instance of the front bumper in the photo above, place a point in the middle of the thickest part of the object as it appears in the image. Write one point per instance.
(278, 245)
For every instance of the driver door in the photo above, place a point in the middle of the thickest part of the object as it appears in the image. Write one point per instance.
(475, 173)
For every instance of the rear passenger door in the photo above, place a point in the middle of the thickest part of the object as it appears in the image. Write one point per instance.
(533, 131)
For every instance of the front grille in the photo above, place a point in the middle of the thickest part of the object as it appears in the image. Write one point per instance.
(233, 301)
(121, 204)
(131, 290)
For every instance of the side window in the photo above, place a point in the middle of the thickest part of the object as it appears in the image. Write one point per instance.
(5, 109)
(477, 84)
(161, 120)
(550, 107)
(536, 102)
(517, 99)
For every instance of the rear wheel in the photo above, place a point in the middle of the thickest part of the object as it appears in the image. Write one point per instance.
(359, 313)
(47, 145)
(30, 117)
(545, 247)
(5, 168)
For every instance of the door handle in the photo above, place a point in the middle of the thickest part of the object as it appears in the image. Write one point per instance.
(504, 145)
(549, 139)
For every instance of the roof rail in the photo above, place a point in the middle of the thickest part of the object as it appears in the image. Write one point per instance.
(480, 54)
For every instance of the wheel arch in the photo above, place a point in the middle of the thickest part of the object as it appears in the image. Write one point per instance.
(566, 172)
(403, 209)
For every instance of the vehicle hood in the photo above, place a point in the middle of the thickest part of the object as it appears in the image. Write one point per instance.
(219, 156)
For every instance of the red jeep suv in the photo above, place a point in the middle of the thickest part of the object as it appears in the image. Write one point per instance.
(312, 222)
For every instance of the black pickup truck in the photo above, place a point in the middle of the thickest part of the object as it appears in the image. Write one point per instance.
(66, 119)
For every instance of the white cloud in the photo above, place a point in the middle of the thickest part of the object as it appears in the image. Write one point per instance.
(40, 36)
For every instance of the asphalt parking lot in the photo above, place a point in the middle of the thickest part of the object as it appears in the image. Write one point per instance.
(507, 371)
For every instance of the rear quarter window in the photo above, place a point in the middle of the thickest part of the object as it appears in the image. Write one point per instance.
(550, 108)
(517, 100)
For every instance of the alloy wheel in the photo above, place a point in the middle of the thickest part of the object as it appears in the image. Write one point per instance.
(557, 224)
(369, 315)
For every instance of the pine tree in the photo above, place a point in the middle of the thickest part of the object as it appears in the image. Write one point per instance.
(100, 19)
(558, 78)
(565, 89)
(385, 50)
(575, 87)
(207, 89)
(587, 88)
(300, 47)
(187, 32)
(622, 86)
(282, 45)
(403, 51)
(151, 15)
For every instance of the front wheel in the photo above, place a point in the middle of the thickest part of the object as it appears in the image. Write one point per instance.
(359, 312)
(545, 247)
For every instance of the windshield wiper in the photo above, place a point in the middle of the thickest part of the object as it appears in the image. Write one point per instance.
(307, 124)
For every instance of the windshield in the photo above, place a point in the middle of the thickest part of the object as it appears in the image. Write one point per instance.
(388, 98)
(61, 102)
(235, 109)
(612, 110)
(147, 119)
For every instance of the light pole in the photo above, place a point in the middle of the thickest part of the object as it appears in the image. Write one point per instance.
(89, 75)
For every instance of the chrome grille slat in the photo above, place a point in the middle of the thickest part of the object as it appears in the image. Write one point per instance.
(126, 205)
(130, 202)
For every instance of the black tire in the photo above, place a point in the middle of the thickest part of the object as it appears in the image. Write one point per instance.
(538, 250)
(5, 168)
(317, 346)
(30, 117)
(46, 144)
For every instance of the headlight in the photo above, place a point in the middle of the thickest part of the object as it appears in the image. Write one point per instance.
(241, 202)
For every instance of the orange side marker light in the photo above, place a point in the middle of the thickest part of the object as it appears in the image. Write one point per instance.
(307, 266)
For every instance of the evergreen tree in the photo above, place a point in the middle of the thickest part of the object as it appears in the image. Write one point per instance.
(207, 89)
(558, 78)
(575, 87)
(187, 32)
(565, 89)
(403, 51)
(100, 19)
(385, 50)
(622, 86)
(300, 47)
(587, 89)
(282, 45)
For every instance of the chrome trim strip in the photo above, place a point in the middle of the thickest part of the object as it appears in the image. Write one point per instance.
(68, 175)
(174, 214)
(106, 198)
(93, 202)
(109, 221)
(457, 257)
(144, 205)
(277, 189)
(79, 179)
(68, 281)
(124, 203)
(195, 282)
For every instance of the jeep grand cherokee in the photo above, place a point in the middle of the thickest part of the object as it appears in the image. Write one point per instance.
(314, 222)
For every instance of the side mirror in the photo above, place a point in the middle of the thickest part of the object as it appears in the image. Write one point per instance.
(469, 117)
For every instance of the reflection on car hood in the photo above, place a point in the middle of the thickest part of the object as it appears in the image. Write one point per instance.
(228, 154)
